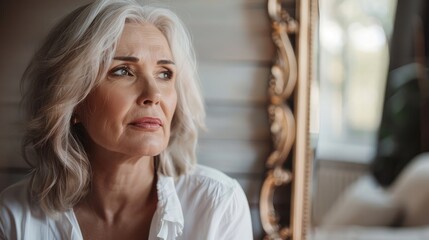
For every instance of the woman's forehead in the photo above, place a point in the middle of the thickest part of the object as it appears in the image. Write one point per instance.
(141, 39)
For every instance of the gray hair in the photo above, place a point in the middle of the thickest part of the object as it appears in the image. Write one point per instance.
(70, 63)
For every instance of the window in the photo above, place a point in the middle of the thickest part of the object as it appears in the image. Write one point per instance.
(352, 71)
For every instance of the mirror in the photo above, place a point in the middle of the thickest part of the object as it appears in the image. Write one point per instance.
(352, 72)
(368, 117)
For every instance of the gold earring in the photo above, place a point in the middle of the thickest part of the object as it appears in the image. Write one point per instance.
(74, 120)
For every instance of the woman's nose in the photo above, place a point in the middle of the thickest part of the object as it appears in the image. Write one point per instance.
(149, 93)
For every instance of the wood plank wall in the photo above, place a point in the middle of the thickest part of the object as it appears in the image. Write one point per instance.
(234, 49)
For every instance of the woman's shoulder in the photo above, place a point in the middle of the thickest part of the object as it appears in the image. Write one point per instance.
(21, 217)
(212, 174)
(219, 199)
(15, 196)
(14, 209)
(16, 204)
(206, 185)
(206, 178)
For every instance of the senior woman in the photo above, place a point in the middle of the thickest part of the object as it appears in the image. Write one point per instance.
(114, 110)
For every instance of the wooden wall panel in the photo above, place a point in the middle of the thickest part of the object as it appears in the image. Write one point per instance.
(233, 156)
(23, 24)
(232, 45)
(9, 177)
(236, 122)
(234, 83)
(256, 222)
(10, 153)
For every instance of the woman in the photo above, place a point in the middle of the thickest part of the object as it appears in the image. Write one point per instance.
(114, 110)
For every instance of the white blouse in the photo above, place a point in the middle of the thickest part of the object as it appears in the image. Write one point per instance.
(204, 204)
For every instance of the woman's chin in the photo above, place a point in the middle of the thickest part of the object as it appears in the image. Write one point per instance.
(148, 149)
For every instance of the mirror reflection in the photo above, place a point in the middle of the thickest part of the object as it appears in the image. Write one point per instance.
(368, 121)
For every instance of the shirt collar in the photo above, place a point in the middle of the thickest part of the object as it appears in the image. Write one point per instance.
(171, 225)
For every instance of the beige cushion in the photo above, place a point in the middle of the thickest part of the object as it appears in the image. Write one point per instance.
(365, 203)
(411, 192)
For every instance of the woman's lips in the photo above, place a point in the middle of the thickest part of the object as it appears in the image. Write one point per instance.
(147, 123)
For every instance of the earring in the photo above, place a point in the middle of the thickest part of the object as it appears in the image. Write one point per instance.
(74, 119)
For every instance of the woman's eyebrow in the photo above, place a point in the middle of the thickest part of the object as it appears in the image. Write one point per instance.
(165, 61)
(126, 58)
(135, 59)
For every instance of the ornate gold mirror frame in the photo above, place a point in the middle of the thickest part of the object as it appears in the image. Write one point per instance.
(291, 75)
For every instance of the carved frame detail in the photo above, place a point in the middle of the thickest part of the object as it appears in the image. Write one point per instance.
(290, 77)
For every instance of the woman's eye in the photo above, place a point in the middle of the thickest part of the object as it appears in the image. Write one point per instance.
(121, 71)
(166, 75)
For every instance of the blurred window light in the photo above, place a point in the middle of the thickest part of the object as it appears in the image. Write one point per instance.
(332, 36)
(370, 38)
(352, 71)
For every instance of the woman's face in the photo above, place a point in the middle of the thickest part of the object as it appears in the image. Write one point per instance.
(130, 112)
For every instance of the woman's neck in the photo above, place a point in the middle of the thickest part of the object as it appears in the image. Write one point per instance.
(121, 187)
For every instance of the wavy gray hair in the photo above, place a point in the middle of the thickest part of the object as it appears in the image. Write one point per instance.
(70, 63)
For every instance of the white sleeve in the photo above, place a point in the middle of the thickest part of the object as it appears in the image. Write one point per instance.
(236, 223)
(1, 232)
(2, 237)
(2, 219)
